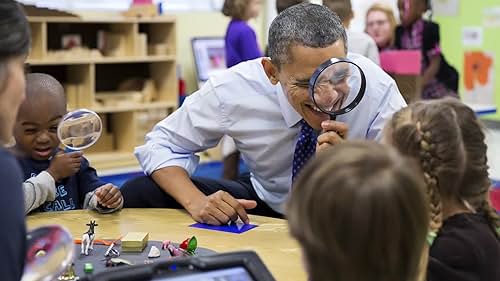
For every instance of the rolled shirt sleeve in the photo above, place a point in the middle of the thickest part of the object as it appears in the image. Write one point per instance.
(196, 126)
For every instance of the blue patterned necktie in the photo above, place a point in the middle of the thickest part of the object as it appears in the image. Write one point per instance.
(305, 148)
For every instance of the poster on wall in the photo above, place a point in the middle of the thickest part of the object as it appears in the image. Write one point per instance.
(472, 36)
(445, 7)
(491, 17)
(479, 80)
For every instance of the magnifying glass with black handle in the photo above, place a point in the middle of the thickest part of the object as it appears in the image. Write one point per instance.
(337, 86)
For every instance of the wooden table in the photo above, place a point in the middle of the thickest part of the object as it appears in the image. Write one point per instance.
(270, 240)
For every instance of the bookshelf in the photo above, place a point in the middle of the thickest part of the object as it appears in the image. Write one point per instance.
(124, 68)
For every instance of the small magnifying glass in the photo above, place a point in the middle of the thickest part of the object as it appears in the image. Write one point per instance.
(50, 251)
(79, 129)
(337, 86)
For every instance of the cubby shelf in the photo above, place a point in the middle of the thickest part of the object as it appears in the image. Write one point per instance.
(142, 106)
(90, 18)
(114, 55)
(103, 60)
(103, 161)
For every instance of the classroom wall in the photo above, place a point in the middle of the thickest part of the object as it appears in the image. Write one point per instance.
(471, 13)
(192, 24)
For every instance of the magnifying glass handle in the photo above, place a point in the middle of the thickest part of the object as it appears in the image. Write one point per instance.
(333, 117)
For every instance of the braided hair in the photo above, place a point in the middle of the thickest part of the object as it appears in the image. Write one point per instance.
(430, 133)
(476, 184)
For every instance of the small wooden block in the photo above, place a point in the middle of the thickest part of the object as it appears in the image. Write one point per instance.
(135, 241)
(132, 250)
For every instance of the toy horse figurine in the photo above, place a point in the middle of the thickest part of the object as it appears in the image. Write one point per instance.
(88, 238)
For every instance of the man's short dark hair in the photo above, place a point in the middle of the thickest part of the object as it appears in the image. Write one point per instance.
(305, 24)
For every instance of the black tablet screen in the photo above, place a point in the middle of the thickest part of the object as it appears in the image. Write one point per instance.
(227, 274)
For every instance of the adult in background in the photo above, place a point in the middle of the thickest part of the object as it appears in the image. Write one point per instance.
(359, 42)
(380, 25)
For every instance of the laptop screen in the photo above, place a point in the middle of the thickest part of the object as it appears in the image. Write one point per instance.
(209, 56)
(228, 274)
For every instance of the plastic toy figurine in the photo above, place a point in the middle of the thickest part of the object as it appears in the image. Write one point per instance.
(117, 262)
(88, 238)
(174, 252)
(189, 245)
(69, 274)
(164, 244)
(111, 252)
(88, 268)
(154, 252)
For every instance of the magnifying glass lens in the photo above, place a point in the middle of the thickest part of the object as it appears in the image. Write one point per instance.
(338, 86)
(79, 129)
(50, 251)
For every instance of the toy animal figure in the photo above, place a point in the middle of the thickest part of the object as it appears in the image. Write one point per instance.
(88, 238)
(189, 245)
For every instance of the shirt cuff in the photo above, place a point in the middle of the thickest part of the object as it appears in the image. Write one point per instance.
(152, 157)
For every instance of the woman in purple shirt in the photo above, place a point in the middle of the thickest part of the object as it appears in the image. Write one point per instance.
(241, 45)
(241, 41)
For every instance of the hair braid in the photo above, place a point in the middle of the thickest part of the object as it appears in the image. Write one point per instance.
(475, 186)
(428, 162)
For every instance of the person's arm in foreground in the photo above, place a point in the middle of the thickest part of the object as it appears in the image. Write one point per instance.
(169, 157)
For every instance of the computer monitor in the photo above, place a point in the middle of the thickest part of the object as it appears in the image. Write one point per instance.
(209, 56)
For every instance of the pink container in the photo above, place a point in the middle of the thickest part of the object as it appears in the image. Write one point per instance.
(406, 62)
(143, 2)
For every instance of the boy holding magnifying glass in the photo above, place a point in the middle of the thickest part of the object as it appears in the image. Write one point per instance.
(55, 181)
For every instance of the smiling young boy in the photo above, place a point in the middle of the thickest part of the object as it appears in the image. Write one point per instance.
(55, 181)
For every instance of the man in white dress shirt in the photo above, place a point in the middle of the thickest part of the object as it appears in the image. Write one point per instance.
(261, 104)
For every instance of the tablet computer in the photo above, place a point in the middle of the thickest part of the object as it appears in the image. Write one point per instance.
(234, 266)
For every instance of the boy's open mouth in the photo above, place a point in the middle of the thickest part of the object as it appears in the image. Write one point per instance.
(43, 152)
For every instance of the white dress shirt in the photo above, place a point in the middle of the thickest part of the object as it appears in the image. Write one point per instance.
(241, 103)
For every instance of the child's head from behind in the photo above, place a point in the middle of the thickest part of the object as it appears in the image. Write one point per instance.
(39, 116)
(411, 10)
(343, 8)
(359, 212)
(429, 132)
(241, 9)
(475, 182)
(282, 5)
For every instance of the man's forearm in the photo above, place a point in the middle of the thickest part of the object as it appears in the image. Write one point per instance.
(176, 182)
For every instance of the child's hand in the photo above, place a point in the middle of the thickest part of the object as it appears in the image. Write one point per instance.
(109, 196)
(64, 165)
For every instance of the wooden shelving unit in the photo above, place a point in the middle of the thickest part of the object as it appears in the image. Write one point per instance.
(116, 55)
